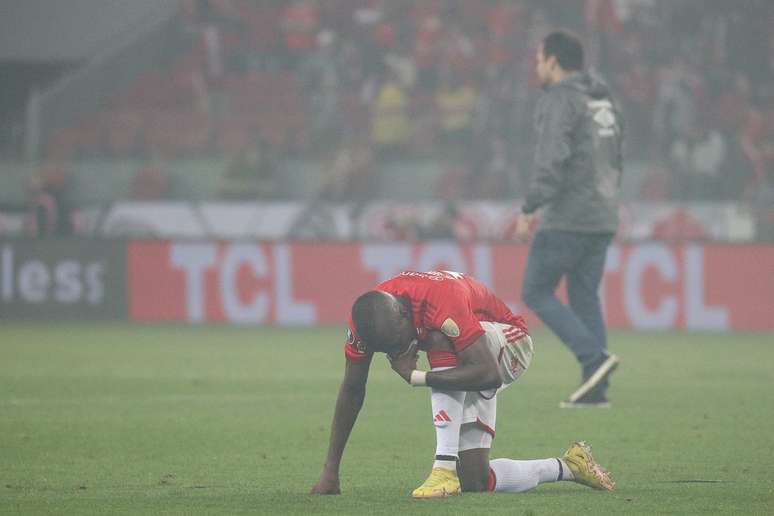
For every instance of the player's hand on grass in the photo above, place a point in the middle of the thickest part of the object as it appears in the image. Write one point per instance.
(405, 362)
(328, 484)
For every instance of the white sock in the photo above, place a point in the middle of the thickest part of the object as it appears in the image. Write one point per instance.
(516, 476)
(447, 417)
(445, 464)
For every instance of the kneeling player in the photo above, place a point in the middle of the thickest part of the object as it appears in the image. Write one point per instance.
(475, 346)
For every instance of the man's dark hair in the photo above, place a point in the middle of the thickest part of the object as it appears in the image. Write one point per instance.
(365, 311)
(566, 48)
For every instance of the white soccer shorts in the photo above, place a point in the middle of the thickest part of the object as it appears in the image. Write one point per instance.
(513, 350)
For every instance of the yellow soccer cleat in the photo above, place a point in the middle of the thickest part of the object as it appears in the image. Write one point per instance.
(441, 482)
(586, 471)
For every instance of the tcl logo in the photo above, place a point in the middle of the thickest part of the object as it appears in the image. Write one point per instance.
(38, 281)
(195, 259)
(202, 282)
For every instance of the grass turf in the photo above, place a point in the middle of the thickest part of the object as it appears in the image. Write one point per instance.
(117, 419)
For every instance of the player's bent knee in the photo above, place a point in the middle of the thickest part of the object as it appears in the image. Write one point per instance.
(473, 469)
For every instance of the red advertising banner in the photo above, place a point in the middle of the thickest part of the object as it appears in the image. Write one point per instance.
(646, 286)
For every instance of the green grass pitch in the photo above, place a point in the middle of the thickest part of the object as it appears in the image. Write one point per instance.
(120, 419)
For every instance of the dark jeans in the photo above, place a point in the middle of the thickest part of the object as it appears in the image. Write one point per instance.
(580, 258)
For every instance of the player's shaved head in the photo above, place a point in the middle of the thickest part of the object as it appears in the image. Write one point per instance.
(370, 314)
(381, 321)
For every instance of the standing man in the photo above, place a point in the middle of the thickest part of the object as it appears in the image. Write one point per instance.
(578, 166)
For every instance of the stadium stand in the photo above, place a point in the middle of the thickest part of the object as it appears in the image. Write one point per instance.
(306, 76)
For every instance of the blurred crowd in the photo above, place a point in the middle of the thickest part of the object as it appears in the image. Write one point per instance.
(362, 83)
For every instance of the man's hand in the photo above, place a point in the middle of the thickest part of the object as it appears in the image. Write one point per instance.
(328, 484)
(406, 362)
(523, 226)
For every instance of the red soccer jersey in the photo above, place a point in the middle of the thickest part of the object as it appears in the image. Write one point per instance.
(449, 302)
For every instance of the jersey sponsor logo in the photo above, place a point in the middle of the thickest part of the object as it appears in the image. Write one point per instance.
(450, 328)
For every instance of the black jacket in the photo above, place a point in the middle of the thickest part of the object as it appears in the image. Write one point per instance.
(578, 161)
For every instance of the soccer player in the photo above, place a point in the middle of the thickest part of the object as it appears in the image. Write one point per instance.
(476, 347)
(578, 167)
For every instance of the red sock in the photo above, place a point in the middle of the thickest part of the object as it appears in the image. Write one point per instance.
(491, 481)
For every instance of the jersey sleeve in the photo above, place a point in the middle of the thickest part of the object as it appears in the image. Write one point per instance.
(453, 318)
(352, 350)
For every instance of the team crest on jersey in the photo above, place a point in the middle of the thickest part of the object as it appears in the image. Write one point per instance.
(450, 328)
(604, 116)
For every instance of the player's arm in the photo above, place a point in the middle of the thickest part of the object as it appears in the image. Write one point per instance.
(348, 404)
(477, 370)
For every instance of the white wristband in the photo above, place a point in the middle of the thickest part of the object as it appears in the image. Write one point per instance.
(418, 378)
